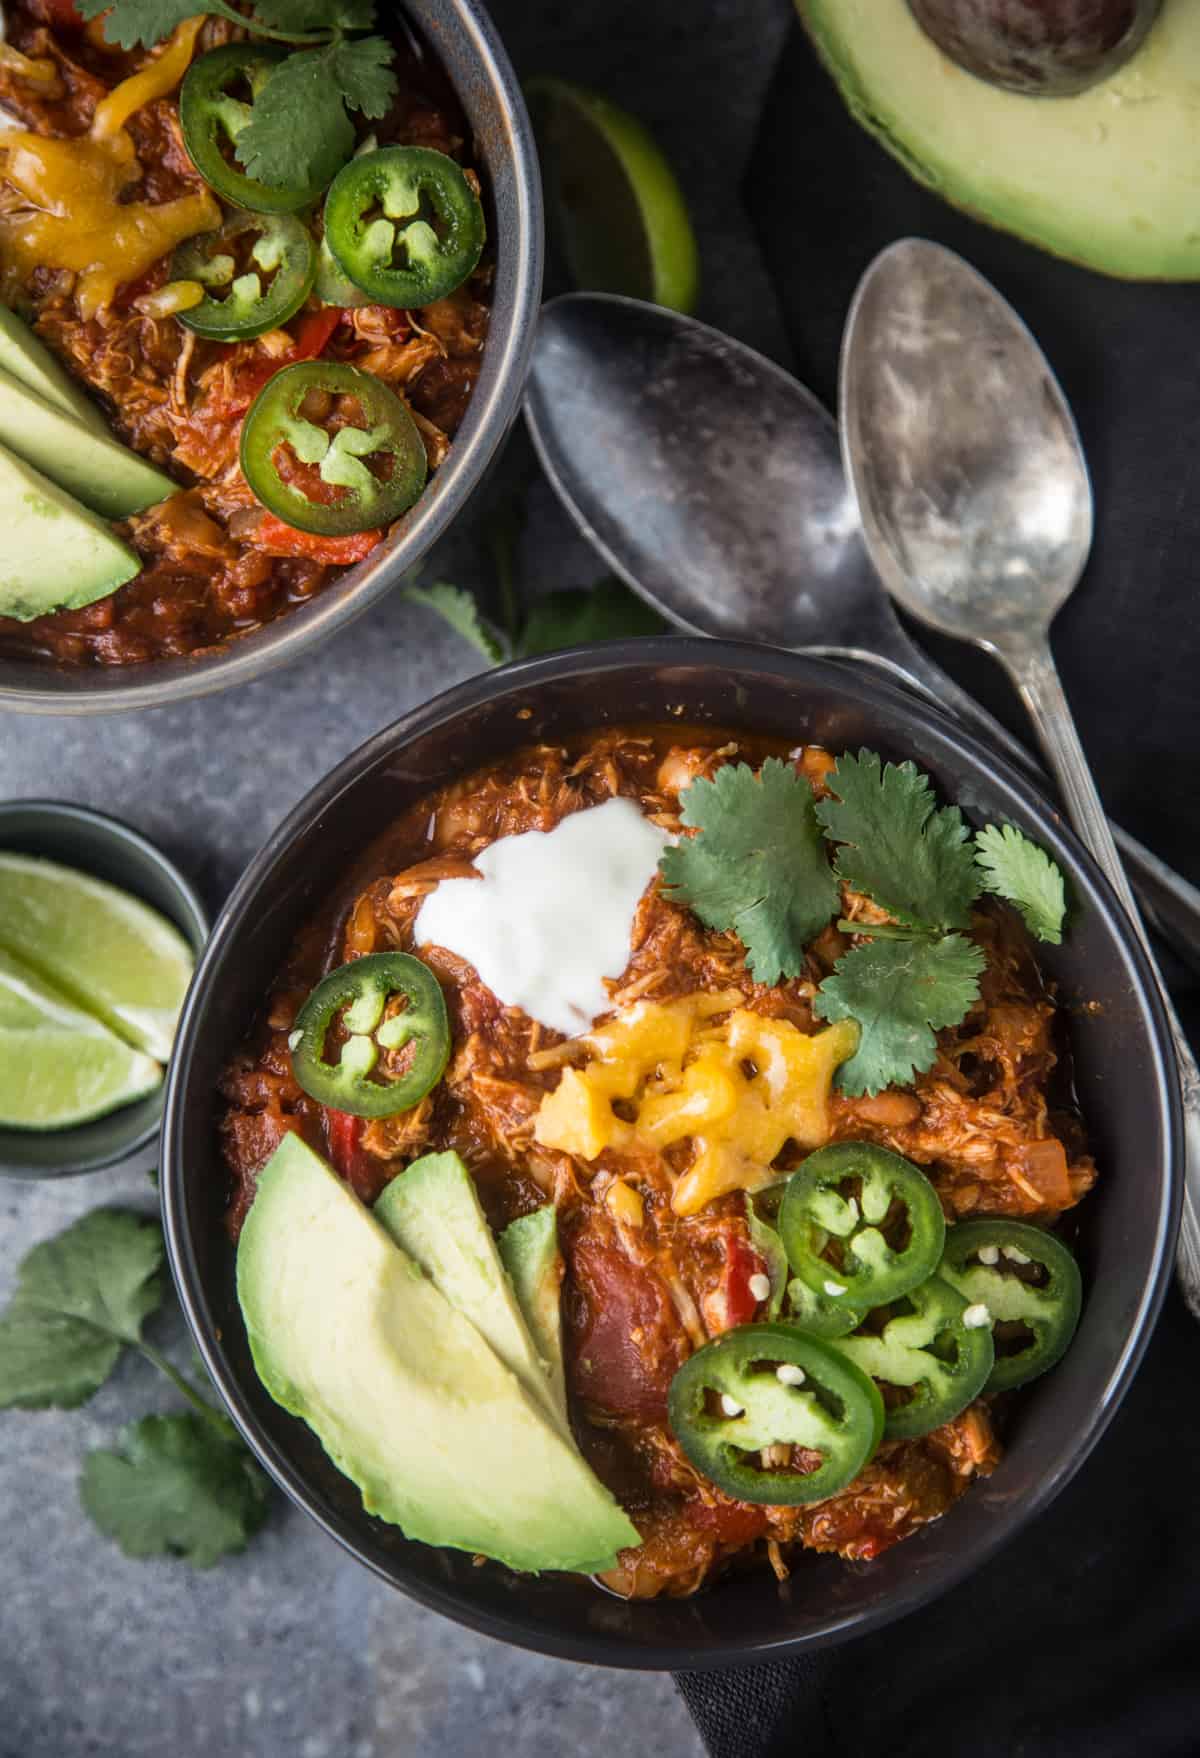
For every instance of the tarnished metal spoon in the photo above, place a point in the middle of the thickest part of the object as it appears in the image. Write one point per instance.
(712, 482)
(977, 508)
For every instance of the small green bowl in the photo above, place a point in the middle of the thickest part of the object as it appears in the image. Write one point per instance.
(77, 837)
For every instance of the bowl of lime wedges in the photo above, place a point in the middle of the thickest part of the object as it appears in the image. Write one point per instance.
(99, 932)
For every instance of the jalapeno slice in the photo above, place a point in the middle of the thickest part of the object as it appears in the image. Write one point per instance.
(861, 1224)
(357, 995)
(817, 1313)
(404, 224)
(330, 449)
(216, 102)
(1030, 1284)
(257, 271)
(930, 1348)
(789, 1390)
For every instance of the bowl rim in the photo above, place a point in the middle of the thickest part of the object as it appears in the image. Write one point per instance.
(193, 921)
(668, 652)
(55, 689)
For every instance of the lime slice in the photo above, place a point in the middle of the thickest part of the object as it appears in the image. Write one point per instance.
(613, 198)
(58, 1065)
(108, 952)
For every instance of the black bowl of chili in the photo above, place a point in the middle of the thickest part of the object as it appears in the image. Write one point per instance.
(1124, 1079)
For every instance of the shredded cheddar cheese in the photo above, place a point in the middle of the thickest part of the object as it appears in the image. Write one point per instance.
(737, 1087)
(75, 218)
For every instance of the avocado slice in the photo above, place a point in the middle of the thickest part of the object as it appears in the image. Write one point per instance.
(1107, 178)
(58, 555)
(27, 358)
(105, 475)
(529, 1252)
(349, 1334)
(433, 1213)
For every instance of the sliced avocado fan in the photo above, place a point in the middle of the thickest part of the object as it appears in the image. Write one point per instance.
(529, 1252)
(56, 555)
(97, 469)
(432, 1211)
(348, 1333)
(1109, 177)
(28, 359)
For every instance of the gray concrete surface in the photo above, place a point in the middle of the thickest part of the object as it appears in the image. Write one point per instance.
(292, 1649)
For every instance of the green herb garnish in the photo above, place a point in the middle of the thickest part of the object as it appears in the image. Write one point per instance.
(568, 617)
(300, 130)
(901, 993)
(175, 1487)
(1014, 868)
(757, 865)
(183, 1483)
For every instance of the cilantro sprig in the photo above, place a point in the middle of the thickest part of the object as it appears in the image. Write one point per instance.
(299, 131)
(759, 864)
(181, 1484)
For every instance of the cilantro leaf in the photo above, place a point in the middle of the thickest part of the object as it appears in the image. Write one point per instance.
(911, 856)
(757, 865)
(1017, 869)
(458, 608)
(298, 130)
(131, 22)
(900, 992)
(80, 1297)
(175, 1488)
(608, 611)
(314, 15)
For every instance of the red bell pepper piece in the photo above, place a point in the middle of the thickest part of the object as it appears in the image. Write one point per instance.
(741, 1263)
(336, 552)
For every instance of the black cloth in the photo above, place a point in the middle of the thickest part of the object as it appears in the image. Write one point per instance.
(1083, 1636)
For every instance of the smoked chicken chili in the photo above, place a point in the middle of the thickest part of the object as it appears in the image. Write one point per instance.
(216, 560)
(670, 1232)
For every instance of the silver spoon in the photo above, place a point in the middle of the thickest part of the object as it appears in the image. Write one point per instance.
(977, 509)
(712, 482)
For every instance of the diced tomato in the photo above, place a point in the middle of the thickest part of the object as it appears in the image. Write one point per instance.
(733, 1522)
(741, 1263)
(60, 15)
(337, 552)
(313, 333)
(344, 1132)
(626, 1335)
(310, 340)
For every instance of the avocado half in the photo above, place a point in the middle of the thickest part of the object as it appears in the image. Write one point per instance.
(1109, 178)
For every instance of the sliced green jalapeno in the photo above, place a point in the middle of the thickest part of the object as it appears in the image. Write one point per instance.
(216, 102)
(405, 225)
(276, 281)
(1030, 1285)
(861, 1224)
(319, 471)
(771, 1385)
(357, 995)
(934, 1349)
(817, 1314)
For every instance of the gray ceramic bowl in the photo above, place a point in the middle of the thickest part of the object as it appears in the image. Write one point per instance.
(465, 41)
(1125, 1076)
(106, 849)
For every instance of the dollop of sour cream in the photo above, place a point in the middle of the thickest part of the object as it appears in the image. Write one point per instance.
(552, 914)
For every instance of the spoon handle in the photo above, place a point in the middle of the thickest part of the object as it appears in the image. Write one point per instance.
(1036, 677)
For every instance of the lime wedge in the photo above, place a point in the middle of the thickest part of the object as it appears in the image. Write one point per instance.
(58, 1065)
(613, 198)
(106, 951)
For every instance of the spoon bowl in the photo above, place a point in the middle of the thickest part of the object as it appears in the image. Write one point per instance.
(966, 461)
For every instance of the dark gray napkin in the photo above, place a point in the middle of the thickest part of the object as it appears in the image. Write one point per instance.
(1083, 1636)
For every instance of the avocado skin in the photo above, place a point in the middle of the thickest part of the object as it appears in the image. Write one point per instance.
(408, 1401)
(57, 554)
(1105, 179)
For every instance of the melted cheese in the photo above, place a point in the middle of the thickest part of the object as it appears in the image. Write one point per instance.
(76, 219)
(737, 1088)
